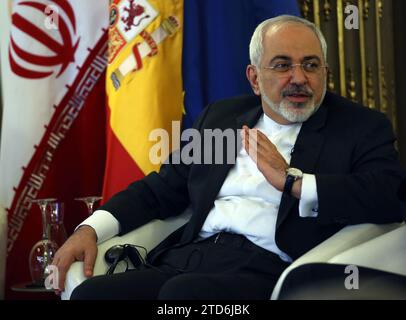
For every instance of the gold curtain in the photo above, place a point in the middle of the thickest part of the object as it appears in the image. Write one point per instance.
(361, 60)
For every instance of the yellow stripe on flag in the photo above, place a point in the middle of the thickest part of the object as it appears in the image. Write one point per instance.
(150, 97)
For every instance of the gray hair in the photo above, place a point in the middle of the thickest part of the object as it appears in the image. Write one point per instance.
(256, 44)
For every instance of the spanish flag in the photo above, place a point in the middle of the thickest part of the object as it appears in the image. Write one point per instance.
(144, 84)
(168, 53)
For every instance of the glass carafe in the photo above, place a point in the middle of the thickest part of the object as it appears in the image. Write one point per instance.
(57, 228)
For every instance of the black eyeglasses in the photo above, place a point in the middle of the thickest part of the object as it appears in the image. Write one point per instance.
(123, 252)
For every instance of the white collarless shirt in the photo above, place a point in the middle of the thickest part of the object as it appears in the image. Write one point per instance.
(247, 203)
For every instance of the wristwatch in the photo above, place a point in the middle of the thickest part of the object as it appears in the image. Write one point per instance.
(292, 174)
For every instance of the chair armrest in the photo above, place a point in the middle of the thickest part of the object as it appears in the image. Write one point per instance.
(148, 236)
(386, 253)
(346, 238)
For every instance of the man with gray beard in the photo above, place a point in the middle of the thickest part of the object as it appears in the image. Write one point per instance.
(310, 163)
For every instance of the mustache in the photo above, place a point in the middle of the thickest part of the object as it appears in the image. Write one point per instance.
(297, 90)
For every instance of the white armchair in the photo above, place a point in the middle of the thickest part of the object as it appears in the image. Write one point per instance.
(151, 234)
(380, 247)
(148, 236)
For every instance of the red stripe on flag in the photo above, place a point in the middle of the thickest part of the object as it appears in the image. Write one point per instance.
(121, 169)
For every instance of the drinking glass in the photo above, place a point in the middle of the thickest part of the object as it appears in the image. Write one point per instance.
(42, 253)
(89, 201)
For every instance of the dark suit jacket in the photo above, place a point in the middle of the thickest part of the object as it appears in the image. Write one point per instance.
(347, 146)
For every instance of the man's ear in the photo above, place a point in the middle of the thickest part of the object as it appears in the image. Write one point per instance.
(252, 77)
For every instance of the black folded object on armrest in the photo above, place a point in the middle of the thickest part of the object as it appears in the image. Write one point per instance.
(123, 252)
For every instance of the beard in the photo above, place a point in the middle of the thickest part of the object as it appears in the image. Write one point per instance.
(294, 112)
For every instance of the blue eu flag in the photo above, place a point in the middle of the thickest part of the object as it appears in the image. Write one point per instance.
(215, 47)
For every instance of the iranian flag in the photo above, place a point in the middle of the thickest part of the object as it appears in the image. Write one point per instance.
(53, 61)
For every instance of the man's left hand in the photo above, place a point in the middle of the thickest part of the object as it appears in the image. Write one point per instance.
(264, 153)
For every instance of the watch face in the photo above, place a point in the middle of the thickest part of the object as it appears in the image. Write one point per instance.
(295, 172)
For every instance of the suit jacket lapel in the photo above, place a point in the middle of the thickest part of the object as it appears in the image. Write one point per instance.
(217, 173)
(304, 157)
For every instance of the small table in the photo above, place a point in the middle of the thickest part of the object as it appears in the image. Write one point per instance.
(30, 287)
